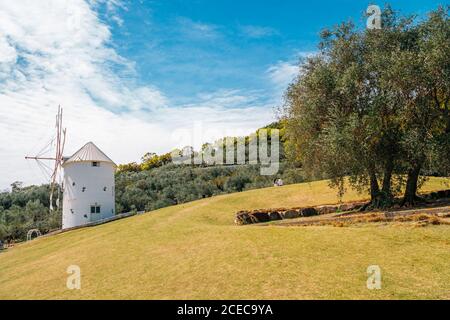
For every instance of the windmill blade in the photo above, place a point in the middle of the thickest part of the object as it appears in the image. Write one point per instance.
(57, 199)
(51, 201)
(58, 155)
(62, 135)
(55, 172)
(45, 170)
(46, 148)
(63, 144)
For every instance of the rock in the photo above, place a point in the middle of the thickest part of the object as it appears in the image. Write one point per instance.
(308, 212)
(260, 216)
(326, 209)
(275, 215)
(290, 214)
(242, 218)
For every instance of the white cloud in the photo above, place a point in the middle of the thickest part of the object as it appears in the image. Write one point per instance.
(196, 30)
(258, 31)
(7, 52)
(282, 73)
(59, 52)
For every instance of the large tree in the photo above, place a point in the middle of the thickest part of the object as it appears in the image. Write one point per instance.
(357, 108)
(420, 76)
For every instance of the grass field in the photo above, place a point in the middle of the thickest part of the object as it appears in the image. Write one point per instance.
(194, 251)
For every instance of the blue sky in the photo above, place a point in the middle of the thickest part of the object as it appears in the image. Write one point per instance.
(149, 76)
(191, 47)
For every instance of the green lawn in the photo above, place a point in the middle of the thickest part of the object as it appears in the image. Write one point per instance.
(194, 251)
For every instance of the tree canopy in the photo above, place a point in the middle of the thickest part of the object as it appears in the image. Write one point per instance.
(372, 105)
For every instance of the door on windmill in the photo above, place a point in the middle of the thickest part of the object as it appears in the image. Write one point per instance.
(95, 213)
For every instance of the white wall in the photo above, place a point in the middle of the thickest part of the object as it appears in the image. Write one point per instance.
(94, 179)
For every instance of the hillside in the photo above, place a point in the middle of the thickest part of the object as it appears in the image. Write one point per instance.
(194, 251)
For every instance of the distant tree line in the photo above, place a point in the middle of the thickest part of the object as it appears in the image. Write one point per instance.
(373, 106)
(152, 184)
(174, 184)
(25, 208)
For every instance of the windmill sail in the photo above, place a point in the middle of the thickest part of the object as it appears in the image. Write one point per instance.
(55, 176)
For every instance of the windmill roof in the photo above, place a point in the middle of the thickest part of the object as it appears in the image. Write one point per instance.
(89, 152)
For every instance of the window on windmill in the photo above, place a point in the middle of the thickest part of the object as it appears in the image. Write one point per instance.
(73, 183)
(95, 209)
(71, 211)
(96, 164)
(84, 189)
(104, 188)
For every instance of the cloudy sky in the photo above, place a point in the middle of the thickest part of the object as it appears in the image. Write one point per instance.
(139, 76)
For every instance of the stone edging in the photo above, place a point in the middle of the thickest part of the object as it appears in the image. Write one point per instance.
(265, 215)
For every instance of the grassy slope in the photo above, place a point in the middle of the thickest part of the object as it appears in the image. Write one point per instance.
(194, 251)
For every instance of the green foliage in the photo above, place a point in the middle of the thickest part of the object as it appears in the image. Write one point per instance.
(152, 160)
(238, 182)
(373, 104)
(130, 167)
(157, 183)
(173, 184)
(26, 208)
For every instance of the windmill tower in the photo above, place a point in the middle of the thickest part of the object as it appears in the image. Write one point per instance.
(89, 193)
(86, 180)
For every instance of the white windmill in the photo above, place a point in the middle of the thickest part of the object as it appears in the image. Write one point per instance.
(86, 178)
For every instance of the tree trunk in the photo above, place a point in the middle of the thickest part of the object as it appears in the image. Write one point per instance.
(374, 188)
(411, 186)
(374, 191)
(387, 177)
(385, 197)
